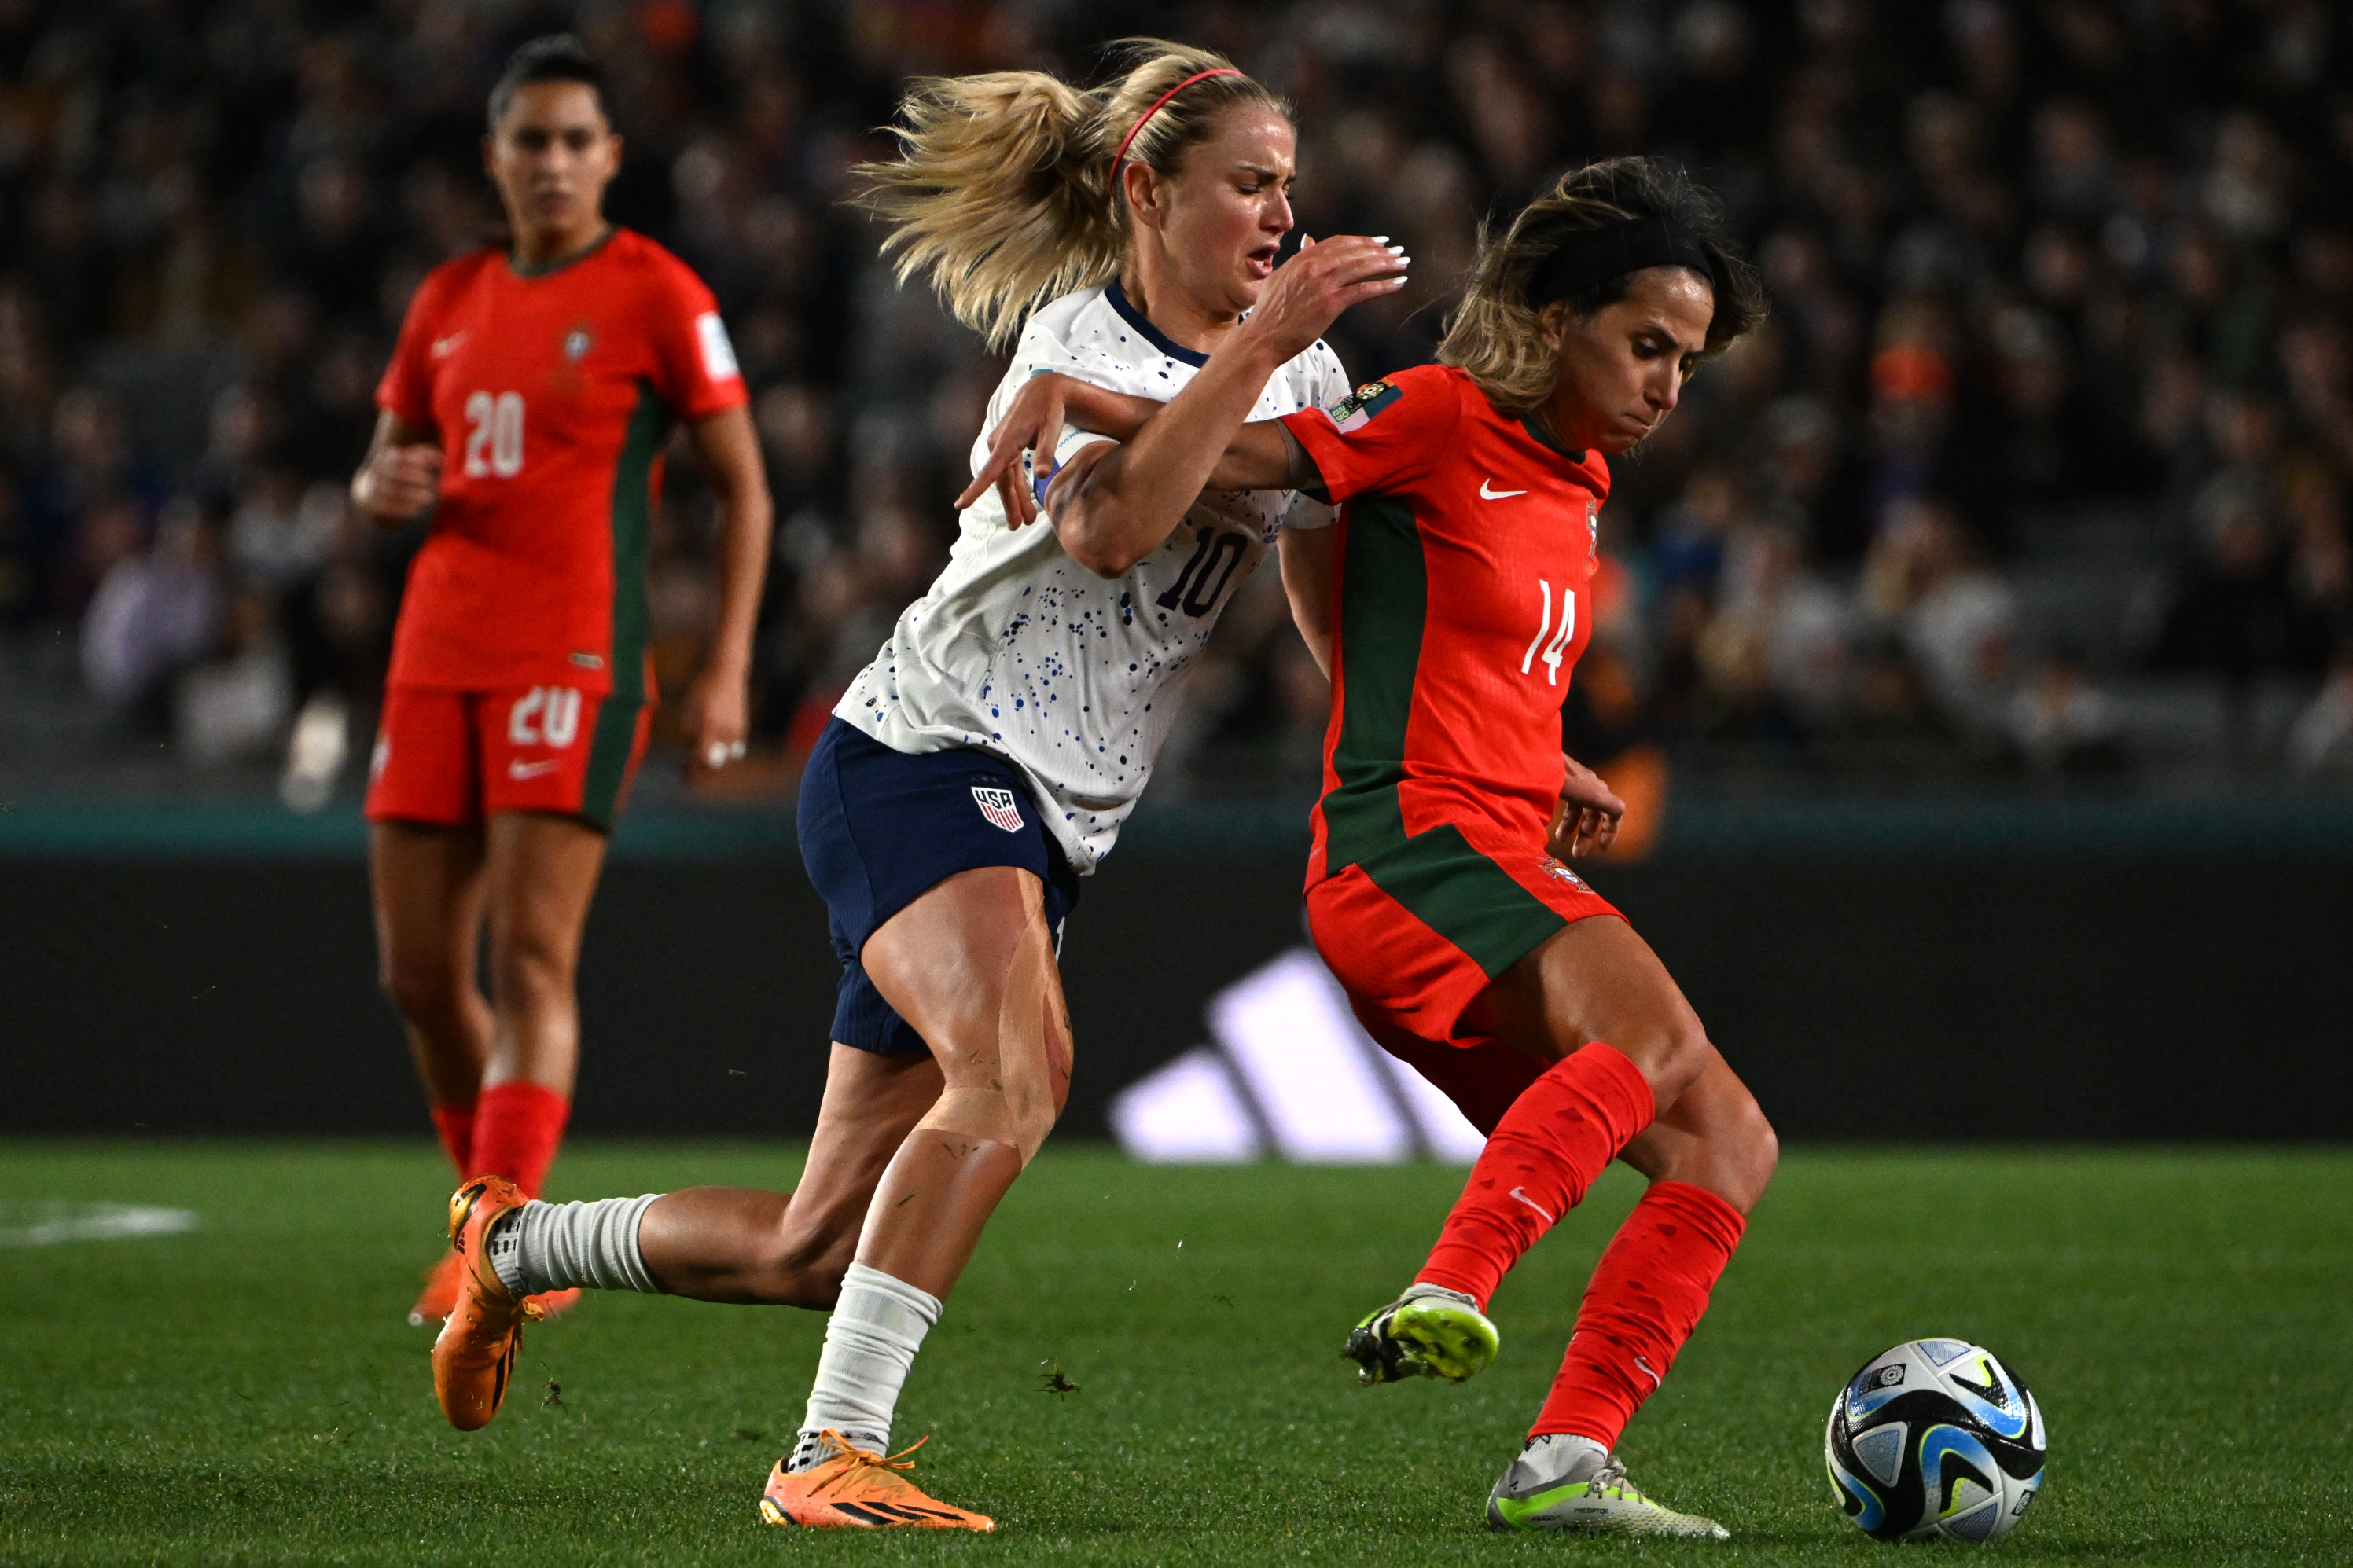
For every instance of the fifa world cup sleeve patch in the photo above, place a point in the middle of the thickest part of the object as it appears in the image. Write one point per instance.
(1355, 411)
(718, 353)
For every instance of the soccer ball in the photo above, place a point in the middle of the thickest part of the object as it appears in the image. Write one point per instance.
(1934, 1438)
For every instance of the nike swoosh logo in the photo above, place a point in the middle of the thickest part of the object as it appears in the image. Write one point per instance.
(1656, 1381)
(532, 769)
(1524, 1198)
(443, 346)
(1487, 491)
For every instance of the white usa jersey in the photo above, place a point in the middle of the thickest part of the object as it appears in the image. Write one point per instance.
(1020, 651)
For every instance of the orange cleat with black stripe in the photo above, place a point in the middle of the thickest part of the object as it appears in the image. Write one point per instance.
(474, 1357)
(858, 1488)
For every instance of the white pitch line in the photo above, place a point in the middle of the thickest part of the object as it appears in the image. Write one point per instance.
(54, 1223)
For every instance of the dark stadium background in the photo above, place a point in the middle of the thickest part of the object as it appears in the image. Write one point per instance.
(1989, 618)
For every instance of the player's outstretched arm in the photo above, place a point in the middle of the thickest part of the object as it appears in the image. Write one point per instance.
(1255, 459)
(718, 703)
(1033, 423)
(1113, 511)
(401, 475)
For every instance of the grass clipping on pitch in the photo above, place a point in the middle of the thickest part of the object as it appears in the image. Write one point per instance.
(248, 1390)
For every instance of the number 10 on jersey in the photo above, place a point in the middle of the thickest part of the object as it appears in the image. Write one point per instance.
(494, 436)
(1550, 656)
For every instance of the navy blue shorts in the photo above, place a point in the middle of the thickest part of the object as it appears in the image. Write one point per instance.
(880, 828)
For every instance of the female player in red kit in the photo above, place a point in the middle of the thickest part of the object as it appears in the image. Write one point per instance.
(530, 397)
(1456, 604)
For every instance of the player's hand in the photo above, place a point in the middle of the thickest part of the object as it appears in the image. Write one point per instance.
(1587, 817)
(1308, 292)
(718, 718)
(396, 483)
(1032, 424)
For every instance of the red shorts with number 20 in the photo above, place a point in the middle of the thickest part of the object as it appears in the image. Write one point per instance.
(453, 758)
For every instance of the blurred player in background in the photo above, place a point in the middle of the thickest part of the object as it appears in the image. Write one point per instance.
(528, 402)
(1459, 598)
(988, 757)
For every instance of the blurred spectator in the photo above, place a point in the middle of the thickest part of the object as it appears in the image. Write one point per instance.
(155, 610)
(2063, 294)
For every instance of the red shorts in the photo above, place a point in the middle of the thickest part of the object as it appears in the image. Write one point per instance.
(1416, 932)
(458, 757)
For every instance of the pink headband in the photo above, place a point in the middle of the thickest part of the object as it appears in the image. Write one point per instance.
(1140, 119)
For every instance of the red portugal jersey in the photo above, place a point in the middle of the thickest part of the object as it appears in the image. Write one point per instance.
(1467, 551)
(552, 394)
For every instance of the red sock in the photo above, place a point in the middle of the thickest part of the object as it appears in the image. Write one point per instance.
(456, 1125)
(1559, 1135)
(517, 1126)
(1647, 1296)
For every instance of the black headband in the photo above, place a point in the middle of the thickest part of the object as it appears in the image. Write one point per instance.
(1592, 256)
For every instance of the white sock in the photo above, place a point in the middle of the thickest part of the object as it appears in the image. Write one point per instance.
(1556, 1454)
(555, 1246)
(1419, 1288)
(869, 1347)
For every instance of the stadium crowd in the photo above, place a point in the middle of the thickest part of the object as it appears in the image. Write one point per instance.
(2042, 462)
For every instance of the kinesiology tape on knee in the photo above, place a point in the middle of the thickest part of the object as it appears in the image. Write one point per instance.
(1018, 1106)
(985, 1114)
(556, 1246)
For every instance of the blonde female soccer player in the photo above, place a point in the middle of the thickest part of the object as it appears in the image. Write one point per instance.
(983, 762)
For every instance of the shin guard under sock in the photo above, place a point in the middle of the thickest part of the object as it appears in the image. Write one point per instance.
(517, 1126)
(1647, 1295)
(1559, 1135)
(455, 1124)
(877, 1325)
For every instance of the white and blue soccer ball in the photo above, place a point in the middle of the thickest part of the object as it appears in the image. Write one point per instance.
(1935, 1438)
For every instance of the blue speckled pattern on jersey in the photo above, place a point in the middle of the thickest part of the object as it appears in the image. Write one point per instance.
(1019, 650)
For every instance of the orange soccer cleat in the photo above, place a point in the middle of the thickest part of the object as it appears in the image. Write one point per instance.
(858, 1488)
(434, 1301)
(475, 1354)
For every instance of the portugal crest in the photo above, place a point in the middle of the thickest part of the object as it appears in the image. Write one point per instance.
(1000, 807)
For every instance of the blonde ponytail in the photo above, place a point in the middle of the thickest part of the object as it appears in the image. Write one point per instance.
(1002, 190)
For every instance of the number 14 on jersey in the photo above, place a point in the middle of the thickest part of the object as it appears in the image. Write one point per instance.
(1551, 650)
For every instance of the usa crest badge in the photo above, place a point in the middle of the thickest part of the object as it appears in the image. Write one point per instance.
(1000, 807)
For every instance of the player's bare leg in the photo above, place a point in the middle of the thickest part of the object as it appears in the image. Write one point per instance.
(428, 883)
(740, 1244)
(970, 967)
(1714, 1136)
(1598, 980)
(542, 872)
(538, 873)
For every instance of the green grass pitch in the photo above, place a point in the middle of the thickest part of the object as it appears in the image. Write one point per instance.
(249, 1393)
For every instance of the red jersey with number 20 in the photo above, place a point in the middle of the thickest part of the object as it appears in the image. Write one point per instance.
(552, 394)
(1467, 550)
